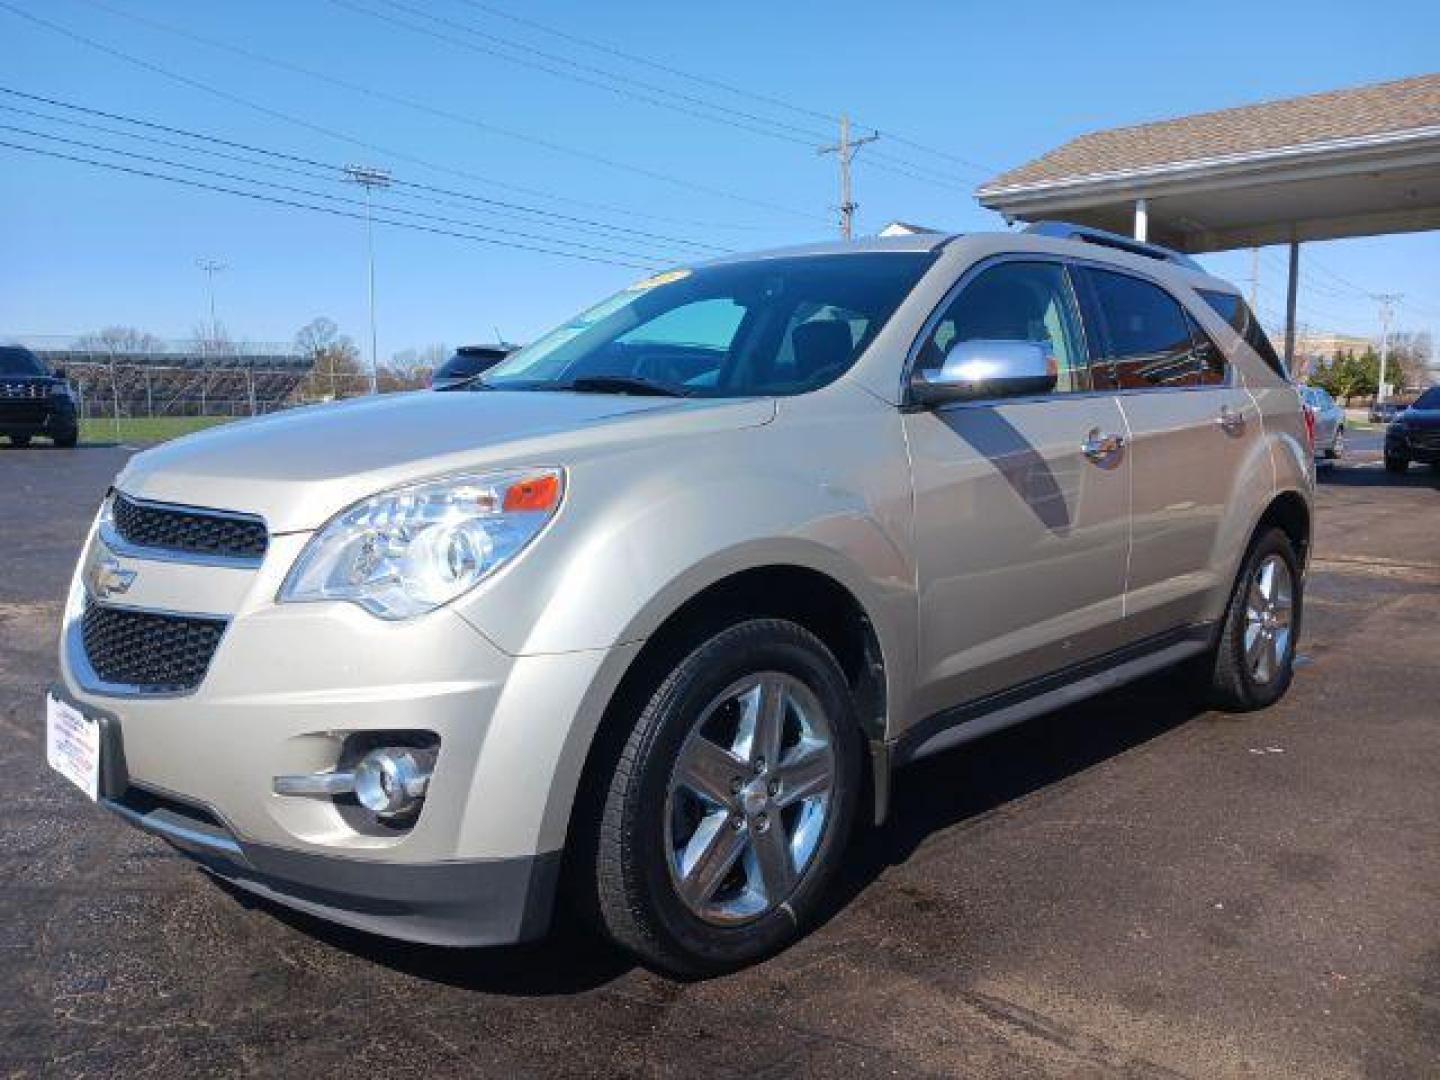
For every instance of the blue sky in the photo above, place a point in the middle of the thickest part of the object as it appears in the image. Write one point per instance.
(991, 84)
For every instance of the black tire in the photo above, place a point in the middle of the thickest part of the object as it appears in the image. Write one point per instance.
(634, 898)
(68, 438)
(1233, 686)
(19, 440)
(1396, 464)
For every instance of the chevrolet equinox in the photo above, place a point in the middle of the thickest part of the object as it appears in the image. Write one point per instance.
(656, 609)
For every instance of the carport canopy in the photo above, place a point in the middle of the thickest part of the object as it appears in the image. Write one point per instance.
(1356, 162)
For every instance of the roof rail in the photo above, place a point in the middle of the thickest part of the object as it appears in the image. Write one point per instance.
(1064, 230)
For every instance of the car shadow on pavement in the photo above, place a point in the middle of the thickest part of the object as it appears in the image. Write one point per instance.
(569, 960)
(975, 779)
(929, 796)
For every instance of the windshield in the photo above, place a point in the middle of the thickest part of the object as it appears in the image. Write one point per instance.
(766, 327)
(1428, 400)
(17, 361)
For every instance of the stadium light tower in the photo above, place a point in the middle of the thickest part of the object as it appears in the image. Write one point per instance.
(211, 267)
(369, 178)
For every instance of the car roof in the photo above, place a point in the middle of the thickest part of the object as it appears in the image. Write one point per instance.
(1012, 241)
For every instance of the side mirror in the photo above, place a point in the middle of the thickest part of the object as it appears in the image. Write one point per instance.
(984, 369)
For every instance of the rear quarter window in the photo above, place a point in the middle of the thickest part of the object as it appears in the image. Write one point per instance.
(1237, 313)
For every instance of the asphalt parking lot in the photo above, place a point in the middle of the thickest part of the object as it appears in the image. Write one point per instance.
(1131, 886)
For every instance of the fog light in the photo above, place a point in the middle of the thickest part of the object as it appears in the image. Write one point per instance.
(391, 782)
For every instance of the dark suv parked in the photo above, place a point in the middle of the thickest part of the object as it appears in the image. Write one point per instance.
(468, 361)
(33, 401)
(1415, 434)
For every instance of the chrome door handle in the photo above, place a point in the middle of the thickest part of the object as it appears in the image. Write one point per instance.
(1230, 421)
(1101, 448)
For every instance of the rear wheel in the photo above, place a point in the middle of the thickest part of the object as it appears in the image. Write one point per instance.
(68, 437)
(1396, 464)
(20, 440)
(729, 808)
(1254, 660)
(1337, 445)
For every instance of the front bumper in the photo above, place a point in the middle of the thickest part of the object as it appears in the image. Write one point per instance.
(1423, 447)
(37, 417)
(286, 687)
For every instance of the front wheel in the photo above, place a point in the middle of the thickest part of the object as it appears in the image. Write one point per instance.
(68, 437)
(1255, 657)
(729, 808)
(1394, 463)
(19, 440)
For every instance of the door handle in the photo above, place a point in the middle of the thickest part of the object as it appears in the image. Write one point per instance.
(1231, 421)
(1101, 448)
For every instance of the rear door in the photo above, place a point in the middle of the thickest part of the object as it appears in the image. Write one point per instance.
(1020, 537)
(1191, 427)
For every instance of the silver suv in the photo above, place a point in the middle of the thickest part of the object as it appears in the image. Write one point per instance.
(658, 609)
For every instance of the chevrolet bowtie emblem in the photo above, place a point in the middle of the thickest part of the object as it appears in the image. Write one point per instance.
(108, 578)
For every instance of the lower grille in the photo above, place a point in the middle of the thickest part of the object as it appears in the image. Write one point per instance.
(147, 650)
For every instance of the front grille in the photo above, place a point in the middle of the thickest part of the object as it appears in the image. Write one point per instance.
(148, 650)
(24, 391)
(177, 528)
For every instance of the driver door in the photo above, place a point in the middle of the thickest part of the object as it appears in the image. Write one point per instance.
(1021, 537)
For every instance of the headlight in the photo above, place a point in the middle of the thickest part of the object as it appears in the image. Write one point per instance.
(411, 549)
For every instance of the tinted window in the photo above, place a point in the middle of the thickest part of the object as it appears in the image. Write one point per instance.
(1214, 371)
(1014, 301)
(1146, 341)
(466, 363)
(1237, 313)
(765, 326)
(17, 361)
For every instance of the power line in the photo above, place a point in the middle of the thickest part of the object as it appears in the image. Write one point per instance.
(430, 110)
(308, 193)
(703, 80)
(352, 140)
(330, 171)
(735, 118)
(333, 211)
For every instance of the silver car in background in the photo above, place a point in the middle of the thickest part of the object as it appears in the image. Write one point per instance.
(1329, 420)
(654, 611)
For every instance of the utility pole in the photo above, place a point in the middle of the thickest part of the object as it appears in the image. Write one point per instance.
(844, 152)
(1387, 302)
(369, 178)
(211, 267)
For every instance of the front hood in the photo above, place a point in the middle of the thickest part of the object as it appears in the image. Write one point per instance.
(298, 468)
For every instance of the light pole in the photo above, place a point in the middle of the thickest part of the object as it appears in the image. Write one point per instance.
(368, 178)
(1387, 303)
(211, 267)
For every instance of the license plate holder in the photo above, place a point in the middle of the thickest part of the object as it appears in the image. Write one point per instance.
(75, 743)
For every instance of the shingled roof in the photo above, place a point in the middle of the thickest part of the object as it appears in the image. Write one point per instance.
(1314, 120)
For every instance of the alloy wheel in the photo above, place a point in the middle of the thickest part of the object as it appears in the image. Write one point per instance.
(749, 798)
(1269, 603)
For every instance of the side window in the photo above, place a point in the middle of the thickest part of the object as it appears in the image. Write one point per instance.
(1237, 313)
(1147, 342)
(1015, 301)
(1214, 371)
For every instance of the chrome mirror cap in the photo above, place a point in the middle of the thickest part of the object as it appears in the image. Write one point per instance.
(981, 368)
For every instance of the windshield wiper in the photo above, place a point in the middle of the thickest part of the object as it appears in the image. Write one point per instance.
(622, 384)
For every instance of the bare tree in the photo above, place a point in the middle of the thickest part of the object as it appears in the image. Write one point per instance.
(410, 369)
(119, 341)
(334, 360)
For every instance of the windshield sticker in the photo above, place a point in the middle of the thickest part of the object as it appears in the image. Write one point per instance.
(659, 279)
